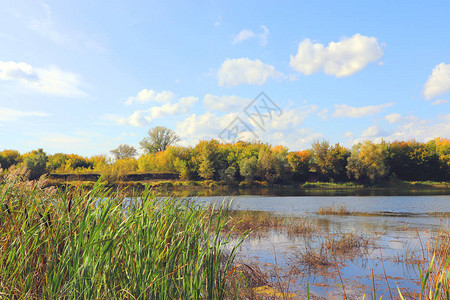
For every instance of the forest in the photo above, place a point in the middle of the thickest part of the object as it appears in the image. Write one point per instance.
(247, 162)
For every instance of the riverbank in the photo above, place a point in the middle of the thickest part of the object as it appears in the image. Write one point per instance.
(190, 188)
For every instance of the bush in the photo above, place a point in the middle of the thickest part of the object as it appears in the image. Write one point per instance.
(36, 164)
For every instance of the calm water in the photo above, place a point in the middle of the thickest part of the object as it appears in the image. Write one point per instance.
(394, 237)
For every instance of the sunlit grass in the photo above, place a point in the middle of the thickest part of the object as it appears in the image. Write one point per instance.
(94, 245)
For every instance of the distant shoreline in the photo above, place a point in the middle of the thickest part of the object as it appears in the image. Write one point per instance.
(210, 187)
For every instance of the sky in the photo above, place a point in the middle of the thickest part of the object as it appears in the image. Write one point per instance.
(86, 76)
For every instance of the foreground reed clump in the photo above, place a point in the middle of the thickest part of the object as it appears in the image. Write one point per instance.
(95, 245)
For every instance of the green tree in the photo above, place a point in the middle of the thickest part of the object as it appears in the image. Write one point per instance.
(124, 151)
(272, 165)
(56, 162)
(9, 158)
(248, 168)
(158, 139)
(330, 160)
(229, 174)
(206, 168)
(181, 167)
(36, 163)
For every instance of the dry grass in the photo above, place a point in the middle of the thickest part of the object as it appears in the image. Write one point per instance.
(346, 242)
(332, 210)
(260, 222)
(442, 214)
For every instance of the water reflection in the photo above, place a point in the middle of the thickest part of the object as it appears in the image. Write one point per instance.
(395, 241)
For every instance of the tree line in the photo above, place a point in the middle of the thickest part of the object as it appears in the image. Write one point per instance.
(366, 162)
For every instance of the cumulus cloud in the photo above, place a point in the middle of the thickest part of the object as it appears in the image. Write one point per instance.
(282, 129)
(411, 127)
(224, 103)
(290, 118)
(150, 95)
(245, 71)
(373, 131)
(393, 118)
(340, 59)
(438, 82)
(344, 110)
(11, 115)
(141, 118)
(49, 80)
(204, 126)
(181, 107)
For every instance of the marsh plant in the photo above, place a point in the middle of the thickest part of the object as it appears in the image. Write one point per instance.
(93, 245)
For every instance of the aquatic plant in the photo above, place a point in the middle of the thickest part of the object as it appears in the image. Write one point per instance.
(97, 244)
(332, 210)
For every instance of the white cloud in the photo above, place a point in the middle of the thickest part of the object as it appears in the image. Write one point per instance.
(224, 103)
(49, 80)
(279, 130)
(243, 35)
(393, 118)
(438, 82)
(245, 71)
(246, 34)
(439, 101)
(348, 134)
(323, 113)
(150, 95)
(205, 126)
(264, 35)
(289, 118)
(344, 110)
(294, 139)
(45, 26)
(340, 59)
(411, 128)
(141, 118)
(181, 107)
(373, 131)
(11, 115)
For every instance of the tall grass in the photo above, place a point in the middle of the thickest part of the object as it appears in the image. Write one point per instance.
(94, 245)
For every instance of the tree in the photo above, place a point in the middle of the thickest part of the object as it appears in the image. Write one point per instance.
(330, 160)
(248, 168)
(300, 163)
(124, 151)
(367, 161)
(158, 139)
(36, 163)
(206, 168)
(9, 158)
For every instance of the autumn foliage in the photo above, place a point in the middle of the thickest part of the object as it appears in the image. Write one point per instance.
(247, 161)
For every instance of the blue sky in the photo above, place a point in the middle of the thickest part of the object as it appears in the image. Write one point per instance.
(85, 76)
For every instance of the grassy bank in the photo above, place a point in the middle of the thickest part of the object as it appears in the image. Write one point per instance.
(94, 245)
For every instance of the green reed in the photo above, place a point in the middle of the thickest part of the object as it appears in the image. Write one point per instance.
(93, 244)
